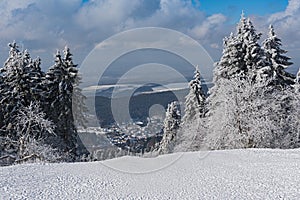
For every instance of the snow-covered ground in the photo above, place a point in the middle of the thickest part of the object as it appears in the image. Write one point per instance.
(232, 174)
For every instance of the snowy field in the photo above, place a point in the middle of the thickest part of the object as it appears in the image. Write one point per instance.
(233, 174)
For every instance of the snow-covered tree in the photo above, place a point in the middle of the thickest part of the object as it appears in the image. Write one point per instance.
(171, 125)
(254, 63)
(192, 129)
(21, 82)
(2, 106)
(33, 129)
(276, 56)
(245, 108)
(195, 100)
(231, 63)
(293, 115)
(252, 114)
(190, 137)
(61, 79)
(242, 58)
(233, 113)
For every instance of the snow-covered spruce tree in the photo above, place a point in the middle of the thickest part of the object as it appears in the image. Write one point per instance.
(252, 55)
(61, 79)
(275, 56)
(244, 96)
(192, 128)
(242, 58)
(231, 63)
(195, 100)
(21, 83)
(33, 129)
(171, 125)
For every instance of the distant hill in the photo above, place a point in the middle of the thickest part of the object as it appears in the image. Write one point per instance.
(139, 105)
(140, 101)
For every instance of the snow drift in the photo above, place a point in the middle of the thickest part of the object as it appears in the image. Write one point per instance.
(228, 174)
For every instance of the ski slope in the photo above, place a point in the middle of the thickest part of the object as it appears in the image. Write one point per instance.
(230, 174)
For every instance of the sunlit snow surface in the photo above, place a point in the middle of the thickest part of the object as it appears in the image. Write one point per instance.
(232, 174)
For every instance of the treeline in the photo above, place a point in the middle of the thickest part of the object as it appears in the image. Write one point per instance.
(36, 116)
(254, 102)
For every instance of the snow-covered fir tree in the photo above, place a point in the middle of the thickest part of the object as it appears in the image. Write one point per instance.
(254, 65)
(171, 125)
(242, 58)
(192, 129)
(61, 79)
(195, 100)
(245, 108)
(21, 82)
(231, 63)
(276, 56)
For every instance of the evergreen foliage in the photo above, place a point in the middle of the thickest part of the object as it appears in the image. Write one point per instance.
(253, 101)
(195, 100)
(171, 125)
(275, 55)
(36, 108)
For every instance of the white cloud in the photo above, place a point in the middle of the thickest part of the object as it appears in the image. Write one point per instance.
(292, 9)
(287, 22)
(105, 14)
(44, 26)
(208, 26)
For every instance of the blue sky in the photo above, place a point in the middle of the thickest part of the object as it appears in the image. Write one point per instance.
(44, 26)
(232, 8)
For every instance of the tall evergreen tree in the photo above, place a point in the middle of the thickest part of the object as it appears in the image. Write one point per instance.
(275, 56)
(61, 79)
(244, 97)
(21, 83)
(79, 108)
(64, 98)
(192, 127)
(195, 100)
(171, 125)
(242, 58)
(231, 63)
(254, 63)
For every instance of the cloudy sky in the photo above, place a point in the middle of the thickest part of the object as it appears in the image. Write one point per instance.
(44, 26)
